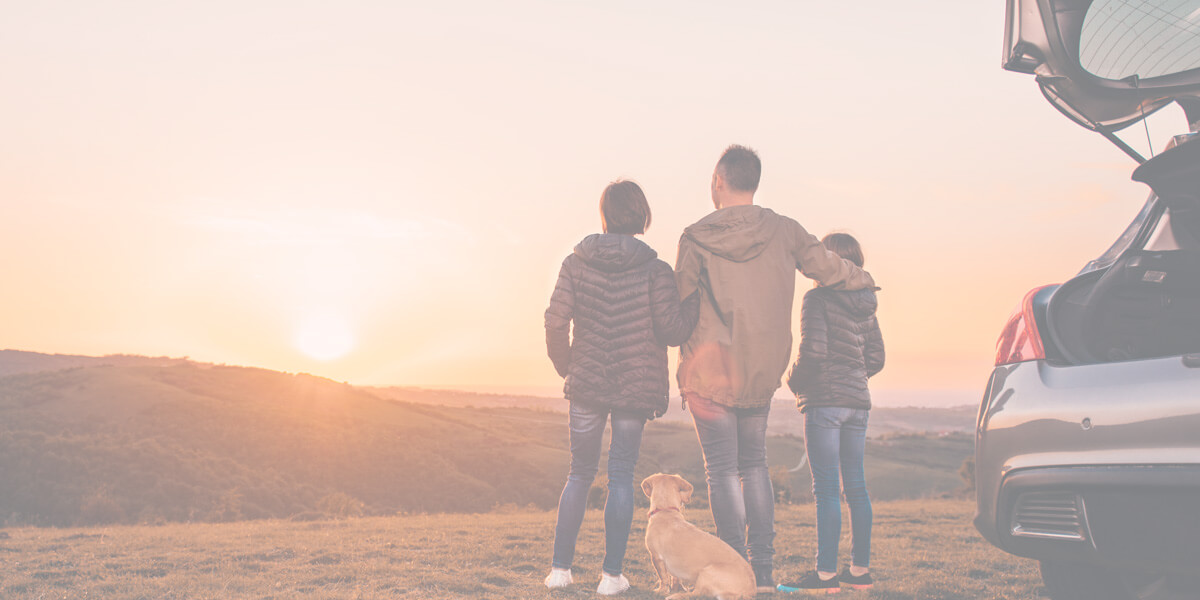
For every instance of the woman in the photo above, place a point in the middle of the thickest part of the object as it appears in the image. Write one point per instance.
(625, 308)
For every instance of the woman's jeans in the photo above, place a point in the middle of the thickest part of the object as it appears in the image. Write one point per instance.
(734, 441)
(587, 432)
(836, 437)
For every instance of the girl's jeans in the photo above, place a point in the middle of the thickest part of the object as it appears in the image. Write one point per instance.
(587, 432)
(836, 437)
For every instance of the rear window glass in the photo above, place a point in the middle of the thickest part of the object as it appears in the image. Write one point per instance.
(1121, 38)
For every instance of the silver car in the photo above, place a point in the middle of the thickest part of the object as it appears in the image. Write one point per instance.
(1088, 437)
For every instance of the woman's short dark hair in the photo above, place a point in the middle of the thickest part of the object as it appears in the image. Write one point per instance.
(624, 209)
(845, 246)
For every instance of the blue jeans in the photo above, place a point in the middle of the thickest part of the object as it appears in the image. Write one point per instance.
(734, 441)
(587, 433)
(834, 438)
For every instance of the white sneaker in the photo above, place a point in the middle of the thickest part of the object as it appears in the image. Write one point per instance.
(559, 578)
(611, 586)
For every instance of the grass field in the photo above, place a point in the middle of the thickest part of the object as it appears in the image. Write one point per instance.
(923, 549)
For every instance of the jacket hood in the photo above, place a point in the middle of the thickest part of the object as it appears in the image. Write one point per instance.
(737, 233)
(613, 253)
(859, 303)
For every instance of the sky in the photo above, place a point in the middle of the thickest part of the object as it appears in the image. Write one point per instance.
(382, 192)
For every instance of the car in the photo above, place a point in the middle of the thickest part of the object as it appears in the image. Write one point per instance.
(1087, 449)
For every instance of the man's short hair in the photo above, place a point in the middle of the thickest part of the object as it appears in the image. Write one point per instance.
(624, 209)
(740, 168)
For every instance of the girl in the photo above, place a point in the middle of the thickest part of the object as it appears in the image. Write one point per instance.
(840, 347)
(625, 308)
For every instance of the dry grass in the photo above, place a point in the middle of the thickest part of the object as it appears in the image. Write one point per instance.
(922, 550)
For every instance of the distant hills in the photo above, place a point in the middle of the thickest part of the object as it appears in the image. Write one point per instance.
(124, 439)
(14, 362)
(785, 419)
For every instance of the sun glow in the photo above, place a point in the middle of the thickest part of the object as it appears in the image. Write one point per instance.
(324, 336)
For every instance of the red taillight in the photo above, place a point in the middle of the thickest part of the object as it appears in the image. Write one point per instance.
(1020, 341)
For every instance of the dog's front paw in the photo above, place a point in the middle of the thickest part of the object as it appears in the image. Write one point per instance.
(675, 585)
(667, 588)
(664, 585)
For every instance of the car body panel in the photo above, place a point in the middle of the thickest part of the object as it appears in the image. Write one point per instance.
(1037, 415)
(1104, 456)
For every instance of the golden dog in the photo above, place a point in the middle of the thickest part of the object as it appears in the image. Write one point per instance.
(684, 555)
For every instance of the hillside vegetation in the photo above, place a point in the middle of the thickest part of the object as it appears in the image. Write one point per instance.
(186, 442)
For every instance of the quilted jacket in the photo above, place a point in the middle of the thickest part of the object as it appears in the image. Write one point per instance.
(625, 308)
(840, 347)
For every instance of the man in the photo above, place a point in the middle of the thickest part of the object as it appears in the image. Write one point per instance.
(743, 259)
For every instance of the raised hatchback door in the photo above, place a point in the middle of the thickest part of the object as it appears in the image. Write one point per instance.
(1107, 64)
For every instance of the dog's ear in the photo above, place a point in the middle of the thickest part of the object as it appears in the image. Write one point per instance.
(685, 490)
(648, 485)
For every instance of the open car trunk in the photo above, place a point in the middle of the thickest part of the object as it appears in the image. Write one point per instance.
(1106, 65)
(1146, 303)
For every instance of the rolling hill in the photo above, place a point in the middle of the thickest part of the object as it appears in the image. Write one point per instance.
(190, 442)
(146, 442)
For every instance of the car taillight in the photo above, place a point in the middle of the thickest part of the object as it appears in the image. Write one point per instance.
(1021, 341)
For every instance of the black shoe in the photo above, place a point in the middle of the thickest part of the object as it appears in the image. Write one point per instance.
(863, 582)
(763, 579)
(812, 584)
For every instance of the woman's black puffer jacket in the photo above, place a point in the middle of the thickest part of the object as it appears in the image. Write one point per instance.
(626, 311)
(840, 347)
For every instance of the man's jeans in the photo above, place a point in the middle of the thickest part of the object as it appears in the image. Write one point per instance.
(836, 438)
(734, 441)
(587, 432)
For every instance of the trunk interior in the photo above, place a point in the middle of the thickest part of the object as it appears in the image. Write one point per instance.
(1146, 304)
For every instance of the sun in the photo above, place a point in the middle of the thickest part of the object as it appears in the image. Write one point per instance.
(324, 336)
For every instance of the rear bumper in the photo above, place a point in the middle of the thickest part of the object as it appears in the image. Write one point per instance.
(1144, 517)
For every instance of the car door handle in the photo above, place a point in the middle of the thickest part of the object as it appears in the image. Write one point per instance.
(1191, 360)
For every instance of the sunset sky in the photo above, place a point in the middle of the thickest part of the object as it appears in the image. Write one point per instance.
(382, 192)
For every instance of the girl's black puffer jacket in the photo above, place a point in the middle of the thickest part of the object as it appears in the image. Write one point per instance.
(840, 347)
(626, 311)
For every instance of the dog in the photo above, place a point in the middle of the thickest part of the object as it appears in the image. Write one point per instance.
(683, 555)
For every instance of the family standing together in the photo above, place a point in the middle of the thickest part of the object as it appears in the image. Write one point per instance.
(615, 309)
